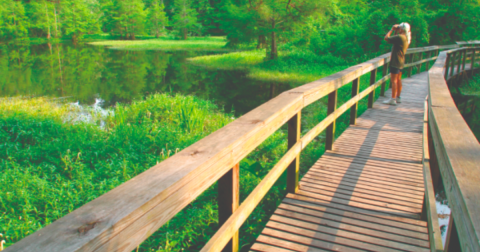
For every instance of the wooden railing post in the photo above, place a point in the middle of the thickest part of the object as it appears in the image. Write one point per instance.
(419, 66)
(354, 108)
(472, 61)
(294, 129)
(459, 64)
(447, 64)
(332, 106)
(410, 60)
(371, 96)
(464, 59)
(452, 63)
(452, 242)
(384, 73)
(427, 64)
(228, 201)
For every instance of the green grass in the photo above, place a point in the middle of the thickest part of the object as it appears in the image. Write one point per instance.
(193, 43)
(293, 66)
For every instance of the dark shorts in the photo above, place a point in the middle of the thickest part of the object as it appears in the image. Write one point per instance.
(395, 70)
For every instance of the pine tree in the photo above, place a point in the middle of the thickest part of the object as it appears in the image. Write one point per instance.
(185, 18)
(156, 19)
(126, 18)
(78, 20)
(13, 22)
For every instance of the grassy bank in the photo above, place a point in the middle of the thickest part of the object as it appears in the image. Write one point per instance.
(294, 66)
(193, 43)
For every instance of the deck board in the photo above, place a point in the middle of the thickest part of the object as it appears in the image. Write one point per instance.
(367, 193)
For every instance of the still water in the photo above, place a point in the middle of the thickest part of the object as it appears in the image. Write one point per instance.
(85, 74)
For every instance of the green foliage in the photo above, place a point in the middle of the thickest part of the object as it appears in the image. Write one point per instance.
(185, 19)
(156, 19)
(78, 19)
(126, 18)
(13, 21)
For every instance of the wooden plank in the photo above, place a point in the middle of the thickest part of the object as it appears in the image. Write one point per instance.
(427, 63)
(342, 221)
(382, 218)
(364, 204)
(410, 60)
(268, 248)
(464, 59)
(320, 241)
(284, 244)
(294, 130)
(228, 200)
(353, 244)
(331, 107)
(349, 231)
(360, 197)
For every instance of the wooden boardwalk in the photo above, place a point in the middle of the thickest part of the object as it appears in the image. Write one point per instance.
(366, 194)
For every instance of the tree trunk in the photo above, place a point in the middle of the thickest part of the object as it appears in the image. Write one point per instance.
(49, 36)
(261, 42)
(132, 36)
(273, 52)
(184, 33)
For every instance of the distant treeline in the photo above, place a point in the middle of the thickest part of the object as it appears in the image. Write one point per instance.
(349, 28)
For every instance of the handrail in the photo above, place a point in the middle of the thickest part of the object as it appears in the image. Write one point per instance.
(457, 153)
(125, 216)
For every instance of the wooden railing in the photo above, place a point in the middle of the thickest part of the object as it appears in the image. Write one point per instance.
(124, 217)
(451, 156)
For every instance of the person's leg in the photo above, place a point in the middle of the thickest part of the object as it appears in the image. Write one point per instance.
(399, 84)
(394, 82)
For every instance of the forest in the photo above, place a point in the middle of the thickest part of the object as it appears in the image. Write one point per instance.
(322, 25)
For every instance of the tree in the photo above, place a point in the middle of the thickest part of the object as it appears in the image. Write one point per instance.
(185, 18)
(78, 20)
(156, 18)
(13, 22)
(126, 18)
(269, 19)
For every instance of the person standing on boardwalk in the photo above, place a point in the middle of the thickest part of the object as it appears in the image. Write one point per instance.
(400, 43)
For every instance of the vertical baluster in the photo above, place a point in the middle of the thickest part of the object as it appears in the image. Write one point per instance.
(472, 61)
(228, 201)
(459, 64)
(332, 106)
(427, 64)
(452, 63)
(354, 108)
(447, 65)
(373, 77)
(410, 60)
(464, 59)
(294, 129)
(419, 66)
(384, 73)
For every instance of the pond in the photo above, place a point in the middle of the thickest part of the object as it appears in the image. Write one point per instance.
(86, 74)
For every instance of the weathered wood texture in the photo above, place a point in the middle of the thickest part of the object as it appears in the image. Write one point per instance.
(125, 216)
(458, 154)
(228, 201)
(365, 194)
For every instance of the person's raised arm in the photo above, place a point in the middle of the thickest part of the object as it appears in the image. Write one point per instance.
(394, 27)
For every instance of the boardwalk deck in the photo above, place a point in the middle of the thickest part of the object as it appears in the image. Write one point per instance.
(367, 193)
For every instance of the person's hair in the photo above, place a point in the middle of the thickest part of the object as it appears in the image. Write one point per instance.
(406, 27)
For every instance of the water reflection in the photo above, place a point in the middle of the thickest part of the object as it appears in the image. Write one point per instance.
(86, 73)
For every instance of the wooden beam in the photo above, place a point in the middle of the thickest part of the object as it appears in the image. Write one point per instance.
(332, 106)
(354, 108)
(447, 65)
(371, 96)
(419, 66)
(228, 200)
(294, 131)
(464, 59)
(459, 64)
